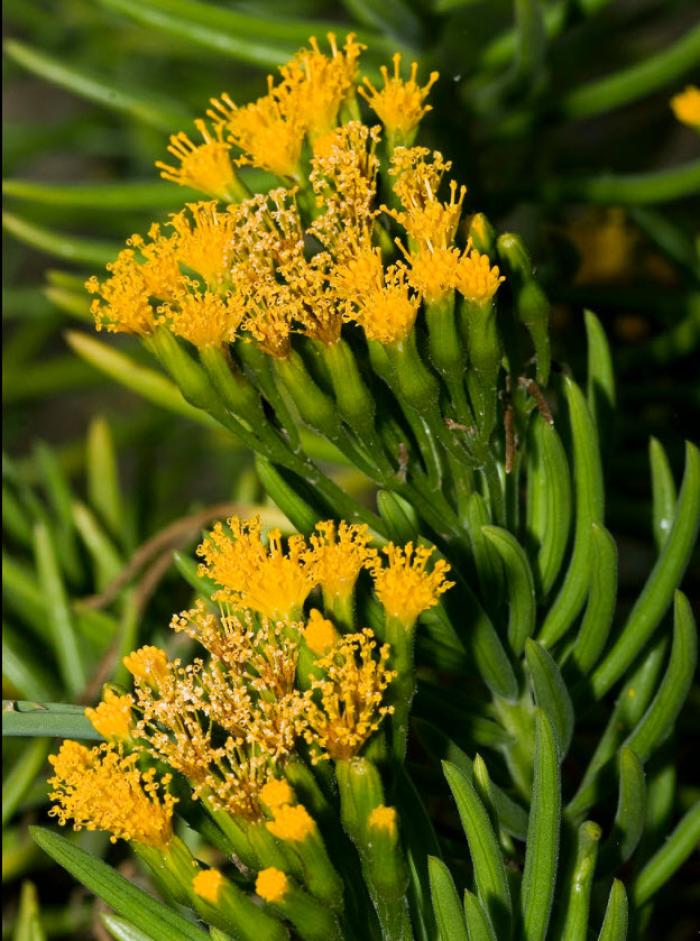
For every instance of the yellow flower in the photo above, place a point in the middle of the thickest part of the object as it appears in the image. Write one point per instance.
(433, 273)
(149, 665)
(292, 823)
(112, 717)
(262, 577)
(475, 279)
(269, 131)
(202, 317)
(102, 789)
(205, 167)
(686, 106)
(349, 697)
(429, 223)
(338, 554)
(388, 314)
(124, 304)
(205, 240)
(383, 818)
(320, 634)
(207, 884)
(276, 792)
(404, 585)
(400, 105)
(271, 884)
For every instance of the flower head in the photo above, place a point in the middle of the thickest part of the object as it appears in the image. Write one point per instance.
(207, 884)
(475, 279)
(338, 554)
(271, 884)
(400, 104)
(112, 718)
(404, 585)
(276, 792)
(102, 789)
(262, 577)
(320, 634)
(205, 167)
(345, 707)
(686, 106)
(148, 665)
(293, 823)
(383, 818)
(202, 317)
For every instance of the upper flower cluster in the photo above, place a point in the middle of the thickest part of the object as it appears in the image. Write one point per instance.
(332, 243)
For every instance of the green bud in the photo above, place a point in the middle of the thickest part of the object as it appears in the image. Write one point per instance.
(234, 830)
(188, 374)
(360, 790)
(316, 408)
(259, 366)
(270, 852)
(482, 234)
(355, 403)
(485, 351)
(172, 868)
(221, 903)
(313, 921)
(415, 383)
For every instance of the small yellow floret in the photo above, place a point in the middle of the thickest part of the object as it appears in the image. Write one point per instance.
(207, 884)
(102, 789)
(339, 553)
(276, 793)
(204, 318)
(112, 717)
(383, 818)
(292, 823)
(320, 634)
(271, 884)
(475, 279)
(686, 106)
(148, 665)
(400, 104)
(205, 167)
(404, 585)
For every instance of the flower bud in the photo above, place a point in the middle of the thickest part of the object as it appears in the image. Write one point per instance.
(311, 919)
(221, 903)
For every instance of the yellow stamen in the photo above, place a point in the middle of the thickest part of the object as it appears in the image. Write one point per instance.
(404, 585)
(400, 104)
(349, 706)
(686, 106)
(271, 884)
(320, 634)
(102, 789)
(207, 884)
(112, 717)
(383, 818)
(292, 823)
(205, 167)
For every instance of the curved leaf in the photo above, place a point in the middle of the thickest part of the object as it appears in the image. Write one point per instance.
(448, 911)
(679, 845)
(574, 915)
(615, 922)
(629, 817)
(663, 490)
(478, 924)
(551, 694)
(521, 586)
(600, 607)
(600, 388)
(59, 720)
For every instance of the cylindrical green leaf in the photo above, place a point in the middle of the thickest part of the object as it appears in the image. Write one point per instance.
(663, 491)
(661, 715)
(521, 586)
(672, 854)
(572, 923)
(615, 922)
(542, 847)
(448, 911)
(551, 694)
(666, 575)
(489, 868)
(589, 499)
(478, 924)
(600, 387)
(629, 817)
(602, 596)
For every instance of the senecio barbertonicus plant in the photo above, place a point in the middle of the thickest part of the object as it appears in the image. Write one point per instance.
(471, 618)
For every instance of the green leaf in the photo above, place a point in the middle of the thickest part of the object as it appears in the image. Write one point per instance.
(26, 674)
(125, 196)
(28, 925)
(21, 774)
(478, 924)
(489, 869)
(119, 893)
(60, 498)
(588, 488)
(615, 922)
(58, 614)
(482, 642)
(486, 559)
(600, 389)
(673, 853)
(148, 383)
(621, 189)
(630, 815)
(58, 720)
(600, 607)
(659, 719)
(106, 560)
(642, 78)
(420, 843)
(446, 904)
(145, 106)
(103, 476)
(573, 920)
(663, 489)
(68, 247)
(521, 586)
(551, 694)
(122, 930)
(666, 575)
(542, 847)
(548, 503)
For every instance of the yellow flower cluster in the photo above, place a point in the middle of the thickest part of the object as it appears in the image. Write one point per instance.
(686, 106)
(315, 252)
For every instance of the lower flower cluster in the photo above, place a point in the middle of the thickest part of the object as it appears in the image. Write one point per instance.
(274, 736)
